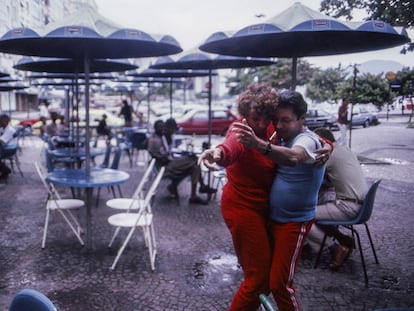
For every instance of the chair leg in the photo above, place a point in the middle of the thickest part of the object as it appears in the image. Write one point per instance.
(362, 256)
(121, 250)
(45, 228)
(18, 167)
(97, 197)
(152, 246)
(315, 265)
(75, 230)
(114, 236)
(119, 190)
(371, 243)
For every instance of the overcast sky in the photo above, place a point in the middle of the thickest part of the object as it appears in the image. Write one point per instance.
(193, 21)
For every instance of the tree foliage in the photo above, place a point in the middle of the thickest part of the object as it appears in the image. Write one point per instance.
(405, 78)
(278, 75)
(395, 12)
(326, 85)
(369, 88)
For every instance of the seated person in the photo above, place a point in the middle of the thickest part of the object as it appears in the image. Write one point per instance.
(7, 137)
(177, 168)
(340, 198)
(52, 128)
(103, 128)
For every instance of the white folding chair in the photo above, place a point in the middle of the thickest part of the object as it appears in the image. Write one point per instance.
(63, 206)
(141, 217)
(137, 198)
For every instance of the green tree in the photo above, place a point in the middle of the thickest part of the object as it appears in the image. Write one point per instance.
(405, 78)
(326, 85)
(369, 88)
(278, 75)
(396, 12)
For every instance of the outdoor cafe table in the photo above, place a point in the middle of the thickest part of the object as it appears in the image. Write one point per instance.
(77, 178)
(76, 153)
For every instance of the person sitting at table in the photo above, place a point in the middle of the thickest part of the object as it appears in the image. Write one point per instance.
(177, 168)
(103, 129)
(7, 137)
(62, 126)
(52, 128)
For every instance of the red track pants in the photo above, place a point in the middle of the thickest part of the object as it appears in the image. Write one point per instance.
(248, 228)
(288, 239)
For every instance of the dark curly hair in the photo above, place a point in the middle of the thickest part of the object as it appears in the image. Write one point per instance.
(260, 98)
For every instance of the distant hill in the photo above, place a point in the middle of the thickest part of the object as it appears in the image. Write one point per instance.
(379, 66)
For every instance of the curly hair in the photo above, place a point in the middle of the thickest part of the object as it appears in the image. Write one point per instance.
(259, 98)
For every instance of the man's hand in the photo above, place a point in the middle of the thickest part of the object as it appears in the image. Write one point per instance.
(323, 153)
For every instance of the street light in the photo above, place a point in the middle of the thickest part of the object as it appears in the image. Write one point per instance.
(390, 76)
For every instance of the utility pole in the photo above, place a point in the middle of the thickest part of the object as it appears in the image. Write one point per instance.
(355, 72)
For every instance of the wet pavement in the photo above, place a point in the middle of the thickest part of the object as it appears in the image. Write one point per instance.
(196, 268)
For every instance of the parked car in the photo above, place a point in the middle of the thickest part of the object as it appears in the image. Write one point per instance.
(317, 117)
(195, 121)
(361, 116)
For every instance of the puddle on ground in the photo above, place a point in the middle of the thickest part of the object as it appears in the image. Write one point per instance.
(394, 161)
(215, 271)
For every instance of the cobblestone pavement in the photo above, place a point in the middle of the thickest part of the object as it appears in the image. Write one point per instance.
(195, 267)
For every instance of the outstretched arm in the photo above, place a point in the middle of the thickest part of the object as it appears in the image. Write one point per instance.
(278, 154)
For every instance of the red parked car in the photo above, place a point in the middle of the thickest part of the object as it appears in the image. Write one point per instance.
(195, 121)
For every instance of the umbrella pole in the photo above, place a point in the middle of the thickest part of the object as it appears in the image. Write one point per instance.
(87, 136)
(294, 72)
(148, 106)
(171, 100)
(209, 123)
(9, 103)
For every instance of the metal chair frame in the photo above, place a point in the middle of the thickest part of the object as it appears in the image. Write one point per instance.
(360, 219)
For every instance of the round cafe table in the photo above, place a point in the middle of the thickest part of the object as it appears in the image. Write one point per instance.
(77, 178)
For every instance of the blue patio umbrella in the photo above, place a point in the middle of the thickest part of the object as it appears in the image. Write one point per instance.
(71, 65)
(302, 32)
(84, 36)
(170, 74)
(197, 60)
(9, 78)
(11, 86)
(92, 76)
(4, 73)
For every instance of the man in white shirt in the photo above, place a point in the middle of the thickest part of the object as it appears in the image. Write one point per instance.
(7, 138)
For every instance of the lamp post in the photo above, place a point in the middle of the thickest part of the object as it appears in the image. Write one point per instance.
(355, 73)
(390, 76)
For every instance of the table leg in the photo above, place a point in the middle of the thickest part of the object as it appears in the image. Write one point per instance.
(89, 218)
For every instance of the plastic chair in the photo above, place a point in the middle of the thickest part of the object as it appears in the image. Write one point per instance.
(137, 198)
(114, 165)
(142, 217)
(107, 156)
(9, 153)
(31, 300)
(266, 304)
(360, 219)
(63, 206)
(137, 142)
(219, 179)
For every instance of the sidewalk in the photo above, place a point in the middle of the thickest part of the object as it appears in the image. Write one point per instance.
(196, 268)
